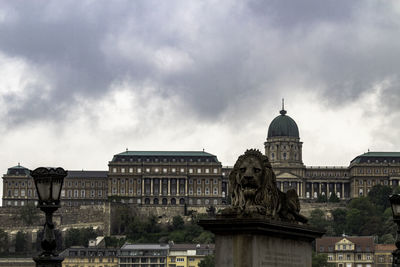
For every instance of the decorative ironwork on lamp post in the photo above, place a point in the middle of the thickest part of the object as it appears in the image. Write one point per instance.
(48, 182)
(395, 203)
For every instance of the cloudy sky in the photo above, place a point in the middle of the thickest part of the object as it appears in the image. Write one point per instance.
(83, 80)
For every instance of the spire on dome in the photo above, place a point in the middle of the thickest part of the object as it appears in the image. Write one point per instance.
(283, 111)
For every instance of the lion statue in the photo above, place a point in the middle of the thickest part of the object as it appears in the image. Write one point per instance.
(254, 192)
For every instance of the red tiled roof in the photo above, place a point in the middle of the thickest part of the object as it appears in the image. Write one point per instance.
(385, 247)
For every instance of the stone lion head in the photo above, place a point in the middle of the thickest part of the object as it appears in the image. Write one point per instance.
(253, 184)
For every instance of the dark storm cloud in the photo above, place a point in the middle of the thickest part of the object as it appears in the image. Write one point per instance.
(231, 52)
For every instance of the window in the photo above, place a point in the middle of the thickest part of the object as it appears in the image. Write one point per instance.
(198, 190)
(207, 181)
(215, 191)
(131, 170)
(22, 192)
(99, 193)
(82, 193)
(76, 193)
(147, 169)
(139, 170)
(215, 171)
(123, 170)
(348, 257)
(182, 170)
(114, 170)
(156, 169)
(165, 170)
(173, 170)
(199, 170)
(359, 257)
(190, 170)
(92, 193)
(207, 170)
(180, 259)
(207, 191)
(198, 181)
(15, 192)
(360, 191)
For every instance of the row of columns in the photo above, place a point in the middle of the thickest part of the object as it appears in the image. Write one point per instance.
(313, 188)
(181, 186)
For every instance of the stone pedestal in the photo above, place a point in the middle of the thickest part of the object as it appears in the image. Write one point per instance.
(261, 243)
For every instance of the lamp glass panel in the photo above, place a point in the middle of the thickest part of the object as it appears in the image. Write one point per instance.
(396, 209)
(56, 189)
(43, 186)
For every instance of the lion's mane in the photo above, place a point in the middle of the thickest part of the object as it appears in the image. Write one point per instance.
(266, 200)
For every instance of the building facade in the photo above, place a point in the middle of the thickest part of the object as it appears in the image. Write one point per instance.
(139, 177)
(348, 251)
(167, 178)
(89, 257)
(188, 255)
(143, 255)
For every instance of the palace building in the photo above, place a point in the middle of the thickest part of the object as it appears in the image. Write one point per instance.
(137, 177)
(197, 178)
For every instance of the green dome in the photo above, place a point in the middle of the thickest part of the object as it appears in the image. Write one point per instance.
(283, 125)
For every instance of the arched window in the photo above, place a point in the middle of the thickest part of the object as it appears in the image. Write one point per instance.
(155, 201)
(164, 201)
(182, 201)
(173, 201)
(147, 201)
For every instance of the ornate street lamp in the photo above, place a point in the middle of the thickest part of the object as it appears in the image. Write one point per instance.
(395, 203)
(48, 182)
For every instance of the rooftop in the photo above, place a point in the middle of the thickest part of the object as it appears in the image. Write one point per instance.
(389, 156)
(127, 246)
(167, 153)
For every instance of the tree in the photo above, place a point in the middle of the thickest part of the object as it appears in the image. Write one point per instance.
(339, 221)
(208, 261)
(3, 241)
(205, 237)
(20, 242)
(79, 237)
(387, 239)
(317, 219)
(379, 195)
(177, 223)
(29, 214)
(320, 260)
(334, 198)
(322, 198)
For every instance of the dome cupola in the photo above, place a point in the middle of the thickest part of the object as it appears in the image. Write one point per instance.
(282, 126)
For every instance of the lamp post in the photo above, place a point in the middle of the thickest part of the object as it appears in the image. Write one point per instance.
(395, 203)
(48, 182)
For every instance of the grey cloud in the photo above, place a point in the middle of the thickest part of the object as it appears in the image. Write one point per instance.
(237, 51)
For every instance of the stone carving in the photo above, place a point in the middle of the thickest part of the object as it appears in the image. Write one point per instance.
(252, 184)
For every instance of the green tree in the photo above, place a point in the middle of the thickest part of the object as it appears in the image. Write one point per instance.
(317, 219)
(79, 237)
(177, 223)
(29, 214)
(334, 198)
(339, 221)
(205, 237)
(208, 261)
(320, 260)
(387, 239)
(3, 241)
(322, 198)
(20, 242)
(379, 195)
